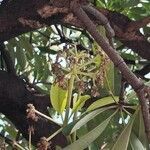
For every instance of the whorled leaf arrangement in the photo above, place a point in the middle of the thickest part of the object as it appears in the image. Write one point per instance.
(141, 89)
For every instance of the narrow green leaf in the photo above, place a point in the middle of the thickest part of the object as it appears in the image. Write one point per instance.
(110, 77)
(97, 60)
(58, 97)
(136, 143)
(91, 136)
(88, 117)
(141, 130)
(102, 102)
(123, 139)
(80, 103)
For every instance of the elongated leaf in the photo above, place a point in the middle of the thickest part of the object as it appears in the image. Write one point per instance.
(123, 139)
(142, 134)
(88, 117)
(102, 102)
(139, 130)
(80, 102)
(88, 138)
(110, 76)
(136, 143)
(97, 60)
(58, 97)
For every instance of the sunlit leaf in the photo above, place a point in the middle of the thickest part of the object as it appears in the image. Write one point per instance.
(58, 97)
(102, 102)
(136, 143)
(97, 60)
(110, 77)
(80, 103)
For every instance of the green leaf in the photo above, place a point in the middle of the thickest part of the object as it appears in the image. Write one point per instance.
(128, 56)
(110, 76)
(88, 117)
(91, 136)
(132, 3)
(136, 143)
(67, 129)
(139, 130)
(102, 102)
(80, 103)
(97, 60)
(73, 126)
(142, 134)
(58, 97)
(123, 139)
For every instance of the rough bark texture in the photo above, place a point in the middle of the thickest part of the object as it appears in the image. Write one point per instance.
(18, 17)
(14, 97)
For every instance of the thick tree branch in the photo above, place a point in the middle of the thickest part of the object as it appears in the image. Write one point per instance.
(17, 18)
(14, 99)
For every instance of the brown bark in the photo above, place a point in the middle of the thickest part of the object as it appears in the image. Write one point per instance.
(14, 97)
(18, 17)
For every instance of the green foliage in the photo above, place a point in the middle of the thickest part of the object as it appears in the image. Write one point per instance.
(58, 98)
(80, 103)
(88, 138)
(123, 139)
(102, 102)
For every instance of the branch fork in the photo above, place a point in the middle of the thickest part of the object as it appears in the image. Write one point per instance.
(139, 87)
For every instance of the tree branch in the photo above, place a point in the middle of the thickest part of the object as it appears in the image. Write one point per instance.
(136, 25)
(118, 62)
(14, 99)
(17, 18)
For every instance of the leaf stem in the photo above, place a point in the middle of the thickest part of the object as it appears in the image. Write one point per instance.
(54, 134)
(19, 146)
(70, 89)
(47, 117)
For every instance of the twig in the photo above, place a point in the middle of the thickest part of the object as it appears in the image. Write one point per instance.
(136, 25)
(31, 111)
(54, 134)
